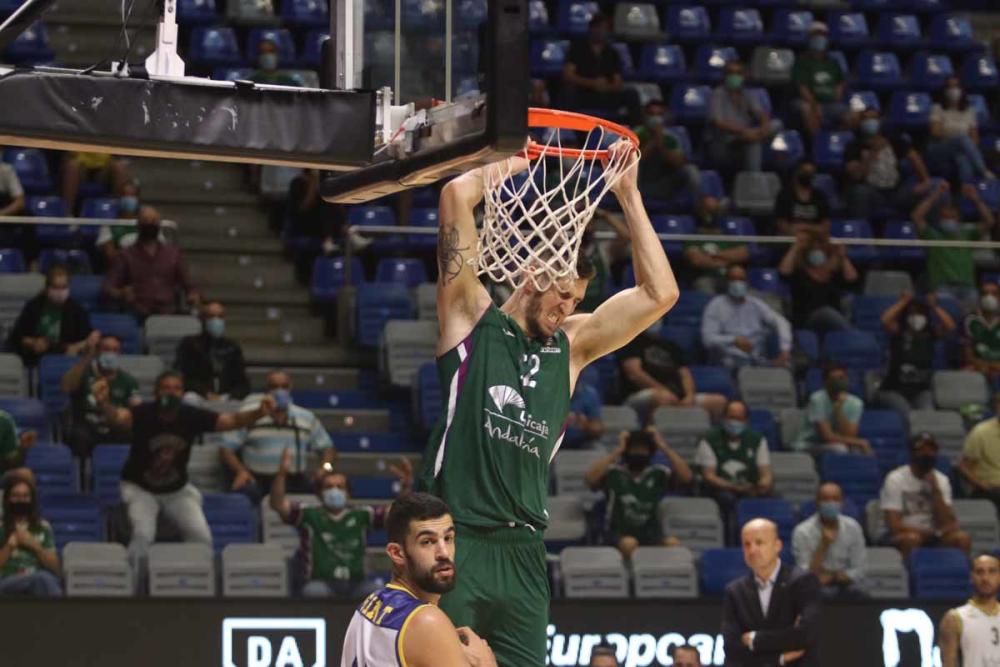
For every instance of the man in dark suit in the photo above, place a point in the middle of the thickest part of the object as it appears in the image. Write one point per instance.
(771, 616)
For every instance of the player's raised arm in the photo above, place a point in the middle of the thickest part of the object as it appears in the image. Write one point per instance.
(628, 313)
(461, 297)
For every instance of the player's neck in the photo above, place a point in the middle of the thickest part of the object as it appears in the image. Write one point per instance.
(512, 308)
(416, 591)
(988, 604)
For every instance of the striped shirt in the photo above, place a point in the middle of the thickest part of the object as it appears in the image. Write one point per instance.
(261, 444)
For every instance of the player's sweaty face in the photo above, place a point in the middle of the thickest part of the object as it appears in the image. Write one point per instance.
(986, 576)
(430, 554)
(549, 309)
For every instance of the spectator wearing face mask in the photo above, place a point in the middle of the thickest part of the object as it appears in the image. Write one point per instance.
(830, 422)
(112, 239)
(268, 61)
(913, 328)
(737, 124)
(634, 490)
(831, 545)
(655, 374)
(980, 464)
(29, 563)
(951, 272)
(664, 171)
(212, 364)
(87, 424)
(735, 327)
(802, 209)
(51, 322)
(875, 178)
(155, 475)
(706, 262)
(820, 83)
(981, 345)
(916, 501)
(734, 462)
(818, 271)
(953, 149)
(333, 534)
(592, 76)
(14, 445)
(147, 276)
(253, 454)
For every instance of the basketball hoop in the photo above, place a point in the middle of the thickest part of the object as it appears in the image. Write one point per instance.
(534, 221)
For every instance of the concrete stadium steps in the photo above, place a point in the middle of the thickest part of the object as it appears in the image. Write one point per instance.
(180, 177)
(351, 463)
(289, 331)
(307, 379)
(355, 421)
(79, 43)
(299, 354)
(226, 270)
(261, 313)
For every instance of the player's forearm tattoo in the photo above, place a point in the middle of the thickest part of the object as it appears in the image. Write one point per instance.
(450, 258)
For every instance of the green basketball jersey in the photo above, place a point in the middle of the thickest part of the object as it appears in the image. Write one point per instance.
(506, 399)
(333, 545)
(632, 500)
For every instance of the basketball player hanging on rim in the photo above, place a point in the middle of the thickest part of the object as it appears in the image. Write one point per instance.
(974, 628)
(508, 374)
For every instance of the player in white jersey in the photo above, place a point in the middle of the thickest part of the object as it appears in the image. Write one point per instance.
(974, 628)
(401, 624)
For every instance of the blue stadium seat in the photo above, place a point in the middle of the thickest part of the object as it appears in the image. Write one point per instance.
(710, 60)
(315, 399)
(685, 337)
(662, 63)
(718, 568)
(379, 443)
(548, 57)
(712, 380)
(86, 290)
(11, 260)
(910, 110)
(214, 47)
(77, 261)
(740, 226)
(857, 229)
(28, 414)
(193, 12)
(377, 303)
(878, 70)
(680, 133)
(51, 369)
(872, 5)
(106, 465)
(984, 117)
(625, 56)
(808, 342)
(848, 29)
(887, 431)
(312, 49)
(711, 184)
(423, 217)
(74, 517)
(31, 167)
(784, 151)
(902, 229)
(838, 57)
(852, 349)
(762, 97)
(281, 37)
(405, 271)
(305, 13)
(859, 100)
(231, 518)
(741, 26)
(687, 24)
(370, 486)
(102, 208)
(31, 46)
(573, 17)
(826, 184)
(989, 192)
(866, 311)
(49, 206)
(53, 467)
(768, 280)
(924, 6)
(688, 309)
(122, 325)
(979, 72)
(828, 149)
(790, 27)
(52, 235)
(899, 31)
(377, 216)
(472, 13)
(762, 421)
(952, 32)
(689, 103)
(929, 71)
(673, 224)
(939, 574)
(428, 398)
(857, 475)
(777, 510)
(328, 276)
(538, 17)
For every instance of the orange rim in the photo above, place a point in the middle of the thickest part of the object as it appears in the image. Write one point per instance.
(569, 120)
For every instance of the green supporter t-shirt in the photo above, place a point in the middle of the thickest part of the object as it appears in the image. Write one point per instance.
(984, 337)
(334, 544)
(50, 324)
(632, 500)
(122, 389)
(820, 76)
(711, 248)
(21, 560)
(10, 451)
(949, 266)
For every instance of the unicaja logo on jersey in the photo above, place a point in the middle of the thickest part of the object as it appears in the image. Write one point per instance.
(519, 431)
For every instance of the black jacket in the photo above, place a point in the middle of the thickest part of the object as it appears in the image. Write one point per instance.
(75, 327)
(212, 365)
(792, 620)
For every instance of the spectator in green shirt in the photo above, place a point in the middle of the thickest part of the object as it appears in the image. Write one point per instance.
(981, 347)
(13, 446)
(634, 490)
(29, 564)
(951, 272)
(664, 171)
(707, 262)
(334, 534)
(268, 60)
(820, 83)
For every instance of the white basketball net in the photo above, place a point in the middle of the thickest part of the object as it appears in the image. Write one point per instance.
(534, 221)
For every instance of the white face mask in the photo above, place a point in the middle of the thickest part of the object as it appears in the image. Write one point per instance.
(917, 321)
(989, 303)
